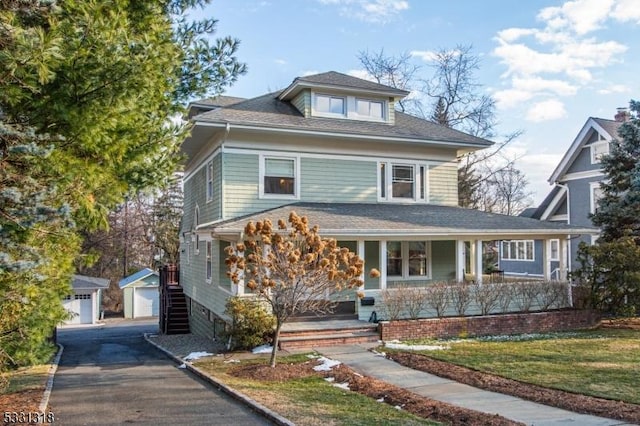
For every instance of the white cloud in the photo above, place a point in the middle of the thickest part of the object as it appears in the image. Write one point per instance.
(614, 88)
(309, 72)
(559, 57)
(425, 55)
(551, 109)
(361, 74)
(280, 61)
(374, 11)
(626, 10)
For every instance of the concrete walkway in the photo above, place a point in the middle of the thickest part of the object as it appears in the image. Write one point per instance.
(360, 359)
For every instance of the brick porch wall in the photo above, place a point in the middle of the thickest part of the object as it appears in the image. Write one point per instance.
(535, 322)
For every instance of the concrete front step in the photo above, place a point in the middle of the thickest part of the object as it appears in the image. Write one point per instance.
(315, 340)
(327, 333)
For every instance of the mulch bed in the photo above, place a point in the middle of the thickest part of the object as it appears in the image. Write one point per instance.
(376, 389)
(556, 398)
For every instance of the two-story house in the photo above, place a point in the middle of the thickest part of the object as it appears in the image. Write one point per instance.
(573, 198)
(333, 148)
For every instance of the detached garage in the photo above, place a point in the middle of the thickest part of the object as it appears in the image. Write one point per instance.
(85, 299)
(141, 294)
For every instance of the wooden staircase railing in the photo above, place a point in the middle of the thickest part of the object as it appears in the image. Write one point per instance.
(174, 316)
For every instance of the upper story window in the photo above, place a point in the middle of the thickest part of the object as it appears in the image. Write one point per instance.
(350, 107)
(595, 195)
(402, 182)
(518, 250)
(209, 263)
(369, 108)
(209, 180)
(598, 149)
(279, 177)
(330, 105)
(554, 249)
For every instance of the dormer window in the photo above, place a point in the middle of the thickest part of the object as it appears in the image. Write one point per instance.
(330, 105)
(349, 107)
(370, 109)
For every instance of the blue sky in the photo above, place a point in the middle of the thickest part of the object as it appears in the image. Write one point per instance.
(549, 64)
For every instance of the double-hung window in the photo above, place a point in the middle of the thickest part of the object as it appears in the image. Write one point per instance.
(598, 149)
(595, 195)
(407, 259)
(518, 250)
(279, 177)
(554, 249)
(402, 182)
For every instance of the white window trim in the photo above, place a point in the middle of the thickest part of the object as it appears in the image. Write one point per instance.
(418, 184)
(404, 244)
(592, 150)
(355, 113)
(222, 245)
(533, 250)
(592, 201)
(296, 184)
(196, 237)
(551, 258)
(209, 181)
(316, 113)
(350, 108)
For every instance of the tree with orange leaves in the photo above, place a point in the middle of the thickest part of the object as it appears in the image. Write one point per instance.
(292, 268)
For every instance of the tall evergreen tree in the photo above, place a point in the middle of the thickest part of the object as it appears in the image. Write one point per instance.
(87, 90)
(618, 212)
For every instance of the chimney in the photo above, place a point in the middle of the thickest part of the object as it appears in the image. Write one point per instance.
(622, 114)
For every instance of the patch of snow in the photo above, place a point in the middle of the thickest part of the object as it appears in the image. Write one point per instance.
(263, 349)
(398, 407)
(183, 365)
(380, 400)
(344, 386)
(326, 364)
(403, 346)
(196, 355)
(330, 379)
(231, 361)
(382, 354)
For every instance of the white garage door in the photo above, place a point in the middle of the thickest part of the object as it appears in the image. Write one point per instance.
(80, 305)
(146, 302)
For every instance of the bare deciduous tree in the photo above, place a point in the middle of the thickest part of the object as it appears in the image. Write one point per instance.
(292, 268)
(509, 186)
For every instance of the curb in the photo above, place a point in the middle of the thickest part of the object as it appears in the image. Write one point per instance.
(49, 386)
(254, 405)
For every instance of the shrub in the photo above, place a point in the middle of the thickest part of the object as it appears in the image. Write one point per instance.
(487, 296)
(415, 299)
(393, 300)
(460, 296)
(552, 293)
(525, 293)
(251, 324)
(437, 297)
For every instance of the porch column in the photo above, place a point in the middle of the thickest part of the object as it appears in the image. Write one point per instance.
(383, 264)
(238, 289)
(478, 261)
(472, 257)
(361, 254)
(546, 261)
(460, 260)
(563, 259)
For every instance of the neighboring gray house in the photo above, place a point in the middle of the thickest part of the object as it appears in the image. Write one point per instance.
(333, 148)
(576, 190)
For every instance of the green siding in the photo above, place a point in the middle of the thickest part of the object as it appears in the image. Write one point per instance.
(371, 260)
(443, 260)
(195, 194)
(338, 181)
(303, 102)
(392, 111)
(127, 298)
(443, 184)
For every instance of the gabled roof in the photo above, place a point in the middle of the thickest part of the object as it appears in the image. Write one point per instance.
(83, 282)
(141, 274)
(269, 112)
(394, 220)
(607, 128)
(344, 82)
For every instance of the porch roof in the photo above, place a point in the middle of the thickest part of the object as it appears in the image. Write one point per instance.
(361, 220)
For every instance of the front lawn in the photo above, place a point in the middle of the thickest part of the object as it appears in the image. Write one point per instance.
(309, 400)
(603, 363)
(26, 388)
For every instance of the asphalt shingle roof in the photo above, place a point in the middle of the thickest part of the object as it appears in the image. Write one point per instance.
(333, 78)
(345, 218)
(83, 282)
(268, 111)
(611, 126)
(135, 277)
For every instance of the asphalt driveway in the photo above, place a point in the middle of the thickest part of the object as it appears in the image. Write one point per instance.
(109, 375)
